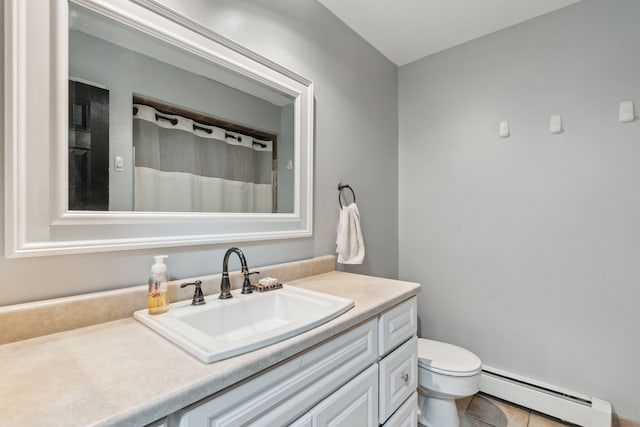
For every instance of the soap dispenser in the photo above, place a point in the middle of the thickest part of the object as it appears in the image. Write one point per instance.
(158, 298)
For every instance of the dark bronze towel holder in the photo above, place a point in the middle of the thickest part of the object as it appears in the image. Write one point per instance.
(341, 188)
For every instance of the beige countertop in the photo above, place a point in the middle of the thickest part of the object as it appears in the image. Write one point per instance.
(122, 373)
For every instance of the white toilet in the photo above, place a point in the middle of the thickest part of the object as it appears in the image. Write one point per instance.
(445, 373)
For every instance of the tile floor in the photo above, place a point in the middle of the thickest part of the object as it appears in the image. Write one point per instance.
(486, 411)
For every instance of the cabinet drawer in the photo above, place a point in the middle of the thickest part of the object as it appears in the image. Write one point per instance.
(397, 325)
(407, 415)
(398, 377)
(284, 393)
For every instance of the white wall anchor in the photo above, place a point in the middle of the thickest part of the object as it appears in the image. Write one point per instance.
(627, 113)
(503, 130)
(555, 124)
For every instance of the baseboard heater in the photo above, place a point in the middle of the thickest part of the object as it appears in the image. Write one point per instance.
(566, 405)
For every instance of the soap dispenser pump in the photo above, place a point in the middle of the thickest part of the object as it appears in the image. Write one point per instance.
(158, 298)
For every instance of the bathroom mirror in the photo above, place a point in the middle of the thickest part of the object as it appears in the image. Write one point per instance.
(153, 127)
(87, 82)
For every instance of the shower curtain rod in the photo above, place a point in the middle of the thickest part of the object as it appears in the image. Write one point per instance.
(174, 122)
(203, 119)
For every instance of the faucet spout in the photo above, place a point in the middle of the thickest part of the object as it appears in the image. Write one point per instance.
(225, 284)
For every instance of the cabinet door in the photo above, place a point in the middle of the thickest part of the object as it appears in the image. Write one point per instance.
(353, 405)
(159, 423)
(303, 421)
(406, 415)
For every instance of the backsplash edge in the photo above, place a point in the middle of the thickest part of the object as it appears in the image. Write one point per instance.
(34, 319)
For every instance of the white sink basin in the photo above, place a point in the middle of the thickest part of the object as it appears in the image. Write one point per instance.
(225, 328)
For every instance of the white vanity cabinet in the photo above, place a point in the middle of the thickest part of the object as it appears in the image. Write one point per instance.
(398, 360)
(364, 377)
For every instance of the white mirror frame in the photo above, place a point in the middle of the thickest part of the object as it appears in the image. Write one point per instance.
(37, 220)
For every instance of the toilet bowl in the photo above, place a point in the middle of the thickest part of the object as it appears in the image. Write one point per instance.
(445, 373)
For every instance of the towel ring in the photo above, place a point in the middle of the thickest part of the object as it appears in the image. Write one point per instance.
(341, 189)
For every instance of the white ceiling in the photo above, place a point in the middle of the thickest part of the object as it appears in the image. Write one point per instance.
(406, 30)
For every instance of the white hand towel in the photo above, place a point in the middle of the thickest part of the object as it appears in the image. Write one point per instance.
(349, 243)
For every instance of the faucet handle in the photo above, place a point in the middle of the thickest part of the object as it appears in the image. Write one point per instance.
(198, 297)
(246, 285)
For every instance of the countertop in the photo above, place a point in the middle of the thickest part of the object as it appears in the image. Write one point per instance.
(122, 373)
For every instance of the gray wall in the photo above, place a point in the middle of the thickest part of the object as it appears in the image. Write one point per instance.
(356, 142)
(286, 153)
(528, 247)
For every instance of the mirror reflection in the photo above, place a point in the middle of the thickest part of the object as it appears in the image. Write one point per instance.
(157, 129)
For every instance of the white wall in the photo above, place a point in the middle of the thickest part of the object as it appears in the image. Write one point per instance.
(529, 247)
(355, 141)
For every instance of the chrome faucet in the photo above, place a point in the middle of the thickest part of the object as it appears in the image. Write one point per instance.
(225, 284)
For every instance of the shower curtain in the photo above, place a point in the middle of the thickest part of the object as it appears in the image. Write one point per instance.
(185, 166)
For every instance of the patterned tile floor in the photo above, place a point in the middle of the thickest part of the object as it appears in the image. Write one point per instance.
(485, 411)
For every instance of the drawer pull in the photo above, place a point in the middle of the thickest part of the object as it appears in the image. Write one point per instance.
(405, 377)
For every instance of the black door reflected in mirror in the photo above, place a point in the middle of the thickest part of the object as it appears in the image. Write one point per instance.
(88, 147)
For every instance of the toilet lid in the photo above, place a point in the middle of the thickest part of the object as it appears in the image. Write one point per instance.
(447, 359)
